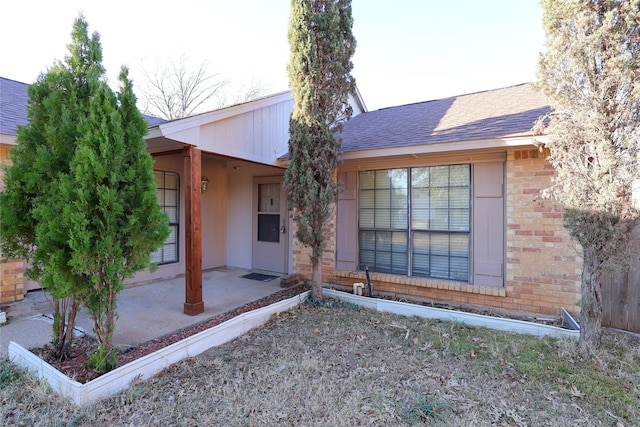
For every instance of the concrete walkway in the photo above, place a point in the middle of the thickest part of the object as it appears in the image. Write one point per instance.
(144, 311)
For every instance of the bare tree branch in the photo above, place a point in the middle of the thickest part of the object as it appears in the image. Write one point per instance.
(179, 89)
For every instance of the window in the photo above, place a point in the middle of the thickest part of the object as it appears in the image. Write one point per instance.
(167, 184)
(416, 221)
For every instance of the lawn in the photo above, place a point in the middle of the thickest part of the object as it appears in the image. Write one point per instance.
(339, 365)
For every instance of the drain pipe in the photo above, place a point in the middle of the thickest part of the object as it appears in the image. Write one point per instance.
(366, 272)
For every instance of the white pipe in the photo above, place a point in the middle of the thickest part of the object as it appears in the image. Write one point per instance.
(358, 288)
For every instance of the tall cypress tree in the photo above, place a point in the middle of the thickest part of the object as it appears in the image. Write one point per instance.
(322, 45)
(80, 199)
(591, 74)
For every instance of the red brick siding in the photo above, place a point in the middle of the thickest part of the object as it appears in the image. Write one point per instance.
(301, 254)
(11, 271)
(543, 263)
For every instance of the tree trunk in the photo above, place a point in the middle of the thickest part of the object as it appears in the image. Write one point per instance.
(591, 308)
(70, 322)
(64, 312)
(316, 281)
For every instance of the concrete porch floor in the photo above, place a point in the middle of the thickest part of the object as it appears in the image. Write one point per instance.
(145, 311)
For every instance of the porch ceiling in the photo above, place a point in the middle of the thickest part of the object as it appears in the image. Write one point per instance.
(160, 144)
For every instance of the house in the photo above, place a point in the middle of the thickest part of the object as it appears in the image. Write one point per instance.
(219, 179)
(439, 200)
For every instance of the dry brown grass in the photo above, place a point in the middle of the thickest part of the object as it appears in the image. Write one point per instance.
(320, 365)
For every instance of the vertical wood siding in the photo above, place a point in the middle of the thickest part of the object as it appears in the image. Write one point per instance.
(621, 293)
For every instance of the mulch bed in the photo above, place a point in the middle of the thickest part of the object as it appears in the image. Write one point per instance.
(82, 347)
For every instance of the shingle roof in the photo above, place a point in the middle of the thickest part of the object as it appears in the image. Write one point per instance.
(483, 115)
(13, 107)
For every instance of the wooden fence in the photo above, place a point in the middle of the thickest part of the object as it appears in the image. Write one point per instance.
(621, 294)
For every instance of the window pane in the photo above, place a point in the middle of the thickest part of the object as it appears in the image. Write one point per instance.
(399, 218)
(399, 178)
(173, 214)
(459, 244)
(384, 251)
(420, 198)
(459, 197)
(399, 242)
(382, 219)
(367, 199)
(439, 219)
(459, 175)
(459, 269)
(170, 253)
(367, 258)
(420, 219)
(399, 263)
(439, 198)
(383, 179)
(439, 244)
(419, 178)
(368, 240)
(441, 255)
(171, 197)
(173, 235)
(383, 262)
(439, 176)
(156, 256)
(399, 199)
(437, 204)
(421, 243)
(269, 228)
(366, 218)
(367, 180)
(171, 180)
(383, 241)
(421, 266)
(159, 177)
(459, 220)
(383, 199)
(440, 266)
(268, 197)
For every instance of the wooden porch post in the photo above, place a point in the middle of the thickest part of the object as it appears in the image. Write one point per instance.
(193, 239)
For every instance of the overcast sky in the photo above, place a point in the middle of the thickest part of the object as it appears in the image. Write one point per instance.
(407, 50)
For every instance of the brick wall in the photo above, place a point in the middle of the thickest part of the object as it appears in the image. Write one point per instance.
(302, 261)
(543, 266)
(11, 271)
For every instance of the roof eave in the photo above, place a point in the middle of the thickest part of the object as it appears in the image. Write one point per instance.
(417, 151)
(179, 125)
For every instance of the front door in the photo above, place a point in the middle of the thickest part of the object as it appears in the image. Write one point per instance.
(270, 241)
